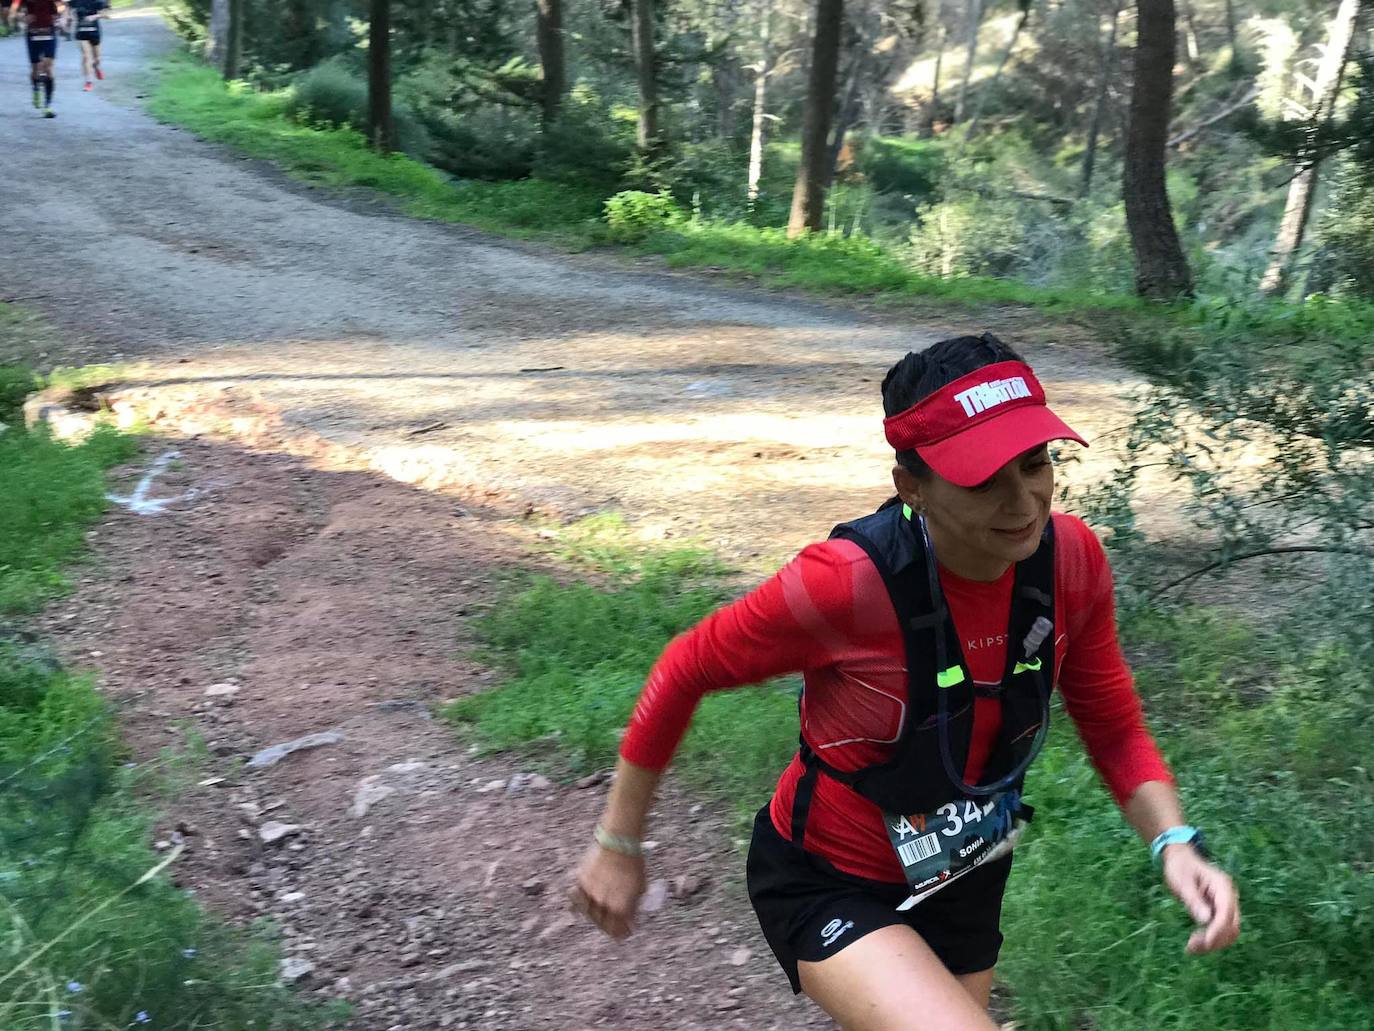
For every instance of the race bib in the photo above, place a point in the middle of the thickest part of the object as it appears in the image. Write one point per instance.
(938, 848)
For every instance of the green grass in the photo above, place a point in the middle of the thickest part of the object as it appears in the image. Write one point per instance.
(1265, 737)
(88, 937)
(256, 124)
(570, 214)
(52, 492)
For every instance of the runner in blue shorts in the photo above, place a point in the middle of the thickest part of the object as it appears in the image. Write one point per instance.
(41, 34)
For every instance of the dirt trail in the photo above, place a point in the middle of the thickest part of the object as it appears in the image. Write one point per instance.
(364, 405)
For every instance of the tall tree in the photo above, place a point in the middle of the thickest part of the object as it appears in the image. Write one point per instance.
(217, 33)
(381, 126)
(233, 39)
(1161, 268)
(1106, 71)
(975, 20)
(1302, 190)
(991, 87)
(764, 69)
(808, 195)
(548, 32)
(642, 43)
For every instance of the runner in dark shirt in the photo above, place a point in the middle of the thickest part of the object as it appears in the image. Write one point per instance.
(41, 34)
(86, 18)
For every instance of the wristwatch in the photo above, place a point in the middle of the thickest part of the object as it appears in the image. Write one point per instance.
(1179, 836)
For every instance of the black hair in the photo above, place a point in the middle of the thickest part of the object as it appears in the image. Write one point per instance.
(921, 373)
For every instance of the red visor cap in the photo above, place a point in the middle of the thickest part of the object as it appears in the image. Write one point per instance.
(970, 428)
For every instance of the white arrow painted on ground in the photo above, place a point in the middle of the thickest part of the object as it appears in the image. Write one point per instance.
(139, 501)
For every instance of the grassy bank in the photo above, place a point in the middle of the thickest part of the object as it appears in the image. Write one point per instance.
(1093, 939)
(256, 123)
(91, 936)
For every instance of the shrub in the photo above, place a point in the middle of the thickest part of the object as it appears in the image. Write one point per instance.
(899, 164)
(633, 215)
(584, 144)
(335, 94)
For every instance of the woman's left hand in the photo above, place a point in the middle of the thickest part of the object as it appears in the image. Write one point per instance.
(1208, 894)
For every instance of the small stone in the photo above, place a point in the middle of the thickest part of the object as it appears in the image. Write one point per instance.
(492, 785)
(224, 694)
(655, 897)
(533, 886)
(591, 780)
(688, 884)
(410, 959)
(740, 956)
(276, 753)
(274, 830)
(292, 896)
(561, 924)
(293, 968)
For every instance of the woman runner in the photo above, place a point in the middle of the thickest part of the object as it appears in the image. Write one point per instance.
(929, 635)
(86, 16)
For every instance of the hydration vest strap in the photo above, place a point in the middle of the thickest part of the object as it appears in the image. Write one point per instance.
(806, 790)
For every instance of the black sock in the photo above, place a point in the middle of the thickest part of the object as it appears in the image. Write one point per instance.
(47, 89)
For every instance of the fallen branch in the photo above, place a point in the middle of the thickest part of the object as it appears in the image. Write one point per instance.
(1226, 112)
(1259, 553)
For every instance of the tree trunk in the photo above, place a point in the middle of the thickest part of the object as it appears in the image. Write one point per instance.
(548, 33)
(1161, 268)
(233, 40)
(975, 18)
(991, 85)
(1191, 47)
(760, 98)
(1106, 68)
(847, 112)
(1231, 28)
(808, 196)
(381, 128)
(642, 43)
(1302, 190)
(935, 84)
(217, 33)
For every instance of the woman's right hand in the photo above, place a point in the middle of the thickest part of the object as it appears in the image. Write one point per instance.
(608, 888)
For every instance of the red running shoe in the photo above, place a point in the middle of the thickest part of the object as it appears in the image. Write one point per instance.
(99, 74)
(88, 87)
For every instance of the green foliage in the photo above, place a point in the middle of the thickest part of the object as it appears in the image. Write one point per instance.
(88, 938)
(1263, 735)
(1346, 260)
(903, 165)
(84, 943)
(16, 383)
(256, 123)
(52, 491)
(334, 95)
(575, 656)
(633, 215)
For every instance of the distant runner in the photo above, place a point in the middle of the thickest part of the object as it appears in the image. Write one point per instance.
(86, 17)
(41, 35)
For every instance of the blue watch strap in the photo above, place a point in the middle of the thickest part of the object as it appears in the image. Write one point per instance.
(1183, 835)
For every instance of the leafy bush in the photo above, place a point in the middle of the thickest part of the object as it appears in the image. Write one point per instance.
(904, 165)
(633, 215)
(1346, 260)
(585, 145)
(16, 383)
(334, 94)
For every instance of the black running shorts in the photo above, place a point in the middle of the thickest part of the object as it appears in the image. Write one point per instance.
(42, 47)
(809, 910)
(89, 34)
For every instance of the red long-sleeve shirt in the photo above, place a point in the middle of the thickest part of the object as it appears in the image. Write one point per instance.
(828, 616)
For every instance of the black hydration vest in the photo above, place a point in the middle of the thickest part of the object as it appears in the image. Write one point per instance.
(927, 764)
